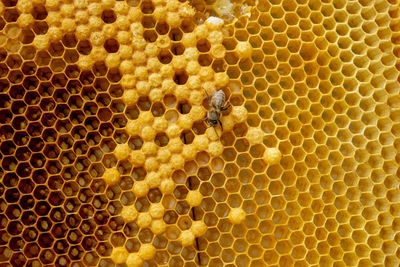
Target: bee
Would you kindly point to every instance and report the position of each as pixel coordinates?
(217, 105)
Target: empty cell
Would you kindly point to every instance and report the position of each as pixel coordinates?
(12, 30)
(40, 27)
(180, 77)
(161, 27)
(84, 47)
(245, 65)
(42, 58)
(71, 56)
(69, 40)
(233, 72)
(99, 69)
(3, 54)
(231, 58)
(56, 49)
(108, 16)
(111, 45)
(26, 37)
(164, 56)
(177, 49)
(204, 60)
(3, 70)
(219, 66)
(175, 34)
(247, 78)
(161, 139)
(203, 45)
(150, 36)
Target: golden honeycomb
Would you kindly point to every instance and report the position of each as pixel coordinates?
(106, 160)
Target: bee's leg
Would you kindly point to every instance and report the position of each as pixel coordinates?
(220, 123)
(216, 132)
(226, 106)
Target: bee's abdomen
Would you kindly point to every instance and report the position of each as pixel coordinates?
(218, 100)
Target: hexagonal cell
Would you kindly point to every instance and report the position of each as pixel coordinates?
(39, 176)
(101, 84)
(69, 40)
(43, 208)
(104, 114)
(3, 70)
(86, 78)
(30, 83)
(101, 217)
(47, 256)
(3, 54)
(99, 69)
(57, 65)
(161, 139)
(165, 56)
(59, 230)
(26, 37)
(62, 111)
(14, 61)
(111, 45)
(135, 142)
(59, 80)
(219, 65)
(204, 60)
(148, 22)
(39, 12)
(15, 76)
(40, 27)
(9, 163)
(161, 27)
(60, 95)
(5, 85)
(157, 109)
(84, 47)
(93, 139)
(114, 75)
(72, 71)
(63, 126)
(150, 36)
(144, 104)
(74, 87)
(62, 261)
(56, 49)
(32, 250)
(37, 160)
(203, 45)
(42, 58)
(45, 240)
(80, 147)
(13, 45)
(8, 148)
(53, 167)
(108, 16)
(44, 224)
(92, 123)
(61, 246)
(180, 77)
(48, 119)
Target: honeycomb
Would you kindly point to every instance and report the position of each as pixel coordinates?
(106, 159)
